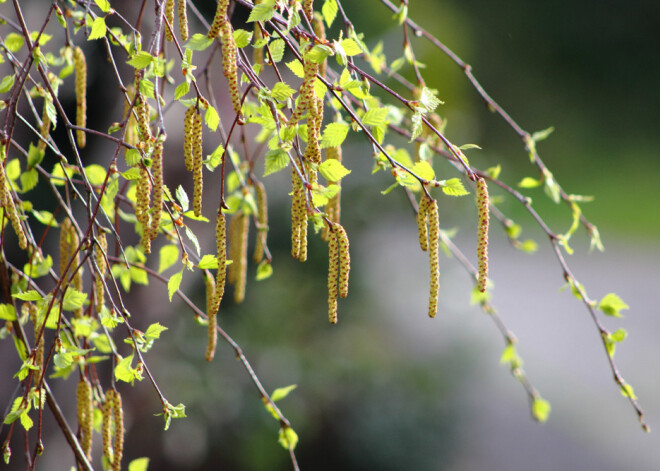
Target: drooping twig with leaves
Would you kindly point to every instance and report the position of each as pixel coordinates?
(302, 91)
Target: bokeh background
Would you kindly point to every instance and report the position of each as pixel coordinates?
(387, 388)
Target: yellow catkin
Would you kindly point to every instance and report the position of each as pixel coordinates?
(102, 269)
(85, 415)
(182, 10)
(118, 416)
(344, 260)
(307, 93)
(229, 67)
(238, 235)
(257, 52)
(308, 9)
(69, 256)
(212, 317)
(197, 165)
(298, 219)
(333, 206)
(158, 189)
(333, 272)
(142, 111)
(169, 16)
(143, 203)
(221, 247)
(80, 68)
(262, 220)
(106, 425)
(482, 236)
(434, 256)
(44, 130)
(422, 219)
(7, 201)
(188, 137)
(219, 19)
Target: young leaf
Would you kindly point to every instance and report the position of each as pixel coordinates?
(98, 29)
(242, 37)
(329, 11)
(281, 393)
(612, 304)
(264, 271)
(141, 60)
(104, 5)
(334, 135)
(199, 42)
(276, 160)
(139, 464)
(168, 256)
(281, 91)
(288, 438)
(208, 261)
(541, 409)
(333, 171)
(211, 118)
(262, 11)
(454, 187)
(173, 283)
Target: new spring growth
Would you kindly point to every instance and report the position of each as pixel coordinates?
(102, 269)
(158, 188)
(183, 19)
(229, 67)
(434, 255)
(143, 203)
(80, 68)
(238, 235)
(339, 267)
(197, 165)
(85, 415)
(262, 220)
(219, 19)
(482, 235)
(298, 218)
(7, 201)
(113, 417)
(212, 317)
(169, 16)
(188, 136)
(221, 246)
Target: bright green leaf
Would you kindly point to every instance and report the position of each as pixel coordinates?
(98, 29)
(242, 37)
(541, 409)
(281, 91)
(332, 170)
(141, 60)
(612, 304)
(329, 11)
(211, 118)
(288, 438)
(334, 135)
(262, 12)
(6, 83)
(198, 42)
(454, 187)
(14, 42)
(139, 464)
(173, 283)
(351, 48)
(277, 48)
(208, 261)
(168, 256)
(264, 271)
(529, 182)
(375, 117)
(104, 5)
(281, 393)
(275, 161)
(7, 312)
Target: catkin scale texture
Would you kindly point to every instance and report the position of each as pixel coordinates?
(158, 189)
(221, 247)
(434, 256)
(169, 16)
(85, 415)
(182, 10)
(212, 317)
(80, 69)
(482, 233)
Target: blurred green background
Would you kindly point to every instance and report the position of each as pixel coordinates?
(387, 389)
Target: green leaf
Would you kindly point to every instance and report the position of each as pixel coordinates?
(318, 53)
(329, 11)
(264, 271)
(628, 391)
(73, 299)
(428, 100)
(281, 91)
(334, 135)
(262, 12)
(424, 170)
(541, 409)
(168, 255)
(29, 180)
(211, 118)
(619, 335)
(14, 42)
(288, 438)
(96, 174)
(332, 170)
(132, 157)
(6, 83)
(541, 135)
(454, 187)
(277, 48)
(198, 42)
(124, 371)
(529, 182)
(296, 67)
(375, 117)
(529, 246)
(193, 238)
(30, 295)
(181, 90)
(208, 261)
(182, 196)
(242, 37)
(154, 331)
(141, 60)
(612, 304)
(281, 393)
(104, 5)
(98, 29)
(173, 283)
(7, 312)
(351, 48)
(139, 464)
(35, 156)
(275, 161)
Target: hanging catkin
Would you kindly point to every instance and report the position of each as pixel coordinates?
(80, 69)
(482, 236)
